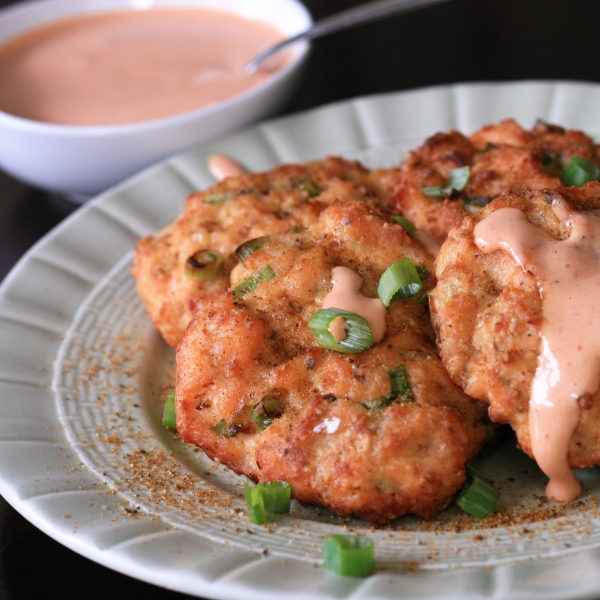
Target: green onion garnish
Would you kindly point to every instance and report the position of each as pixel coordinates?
(401, 389)
(458, 180)
(204, 264)
(434, 191)
(359, 336)
(580, 170)
(423, 272)
(478, 496)
(400, 280)
(217, 198)
(267, 497)
(378, 403)
(255, 503)
(222, 429)
(350, 556)
(169, 419)
(268, 409)
(408, 226)
(250, 247)
(310, 187)
(265, 273)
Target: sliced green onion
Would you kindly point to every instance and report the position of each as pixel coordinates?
(276, 496)
(457, 181)
(268, 409)
(218, 198)
(267, 497)
(310, 187)
(399, 280)
(265, 273)
(401, 389)
(169, 419)
(250, 247)
(204, 264)
(378, 403)
(423, 298)
(478, 496)
(408, 226)
(580, 170)
(434, 191)
(222, 429)
(255, 503)
(423, 272)
(359, 336)
(350, 556)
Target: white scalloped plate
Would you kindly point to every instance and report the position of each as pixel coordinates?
(82, 454)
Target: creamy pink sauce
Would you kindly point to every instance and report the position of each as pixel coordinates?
(345, 295)
(568, 276)
(129, 66)
(222, 167)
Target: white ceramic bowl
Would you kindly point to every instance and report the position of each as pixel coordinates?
(83, 161)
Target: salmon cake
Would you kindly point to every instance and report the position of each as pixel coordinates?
(182, 266)
(451, 173)
(375, 430)
(503, 330)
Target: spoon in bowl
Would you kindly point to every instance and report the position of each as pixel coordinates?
(364, 13)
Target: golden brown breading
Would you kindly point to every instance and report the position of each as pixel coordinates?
(487, 312)
(377, 463)
(503, 158)
(232, 212)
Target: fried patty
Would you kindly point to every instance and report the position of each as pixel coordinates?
(221, 218)
(487, 312)
(339, 434)
(502, 158)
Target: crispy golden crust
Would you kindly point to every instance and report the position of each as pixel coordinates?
(503, 158)
(232, 212)
(373, 463)
(487, 312)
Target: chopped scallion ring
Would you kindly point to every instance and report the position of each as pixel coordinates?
(169, 419)
(401, 389)
(408, 226)
(250, 247)
(434, 191)
(204, 264)
(217, 198)
(457, 181)
(350, 556)
(255, 503)
(400, 280)
(265, 411)
(580, 170)
(267, 497)
(310, 187)
(478, 496)
(222, 429)
(359, 336)
(265, 273)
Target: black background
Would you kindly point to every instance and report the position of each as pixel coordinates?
(459, 41)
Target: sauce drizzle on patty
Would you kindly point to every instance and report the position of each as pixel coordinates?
(568, 371)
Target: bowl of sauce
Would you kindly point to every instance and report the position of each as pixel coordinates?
(90, 93)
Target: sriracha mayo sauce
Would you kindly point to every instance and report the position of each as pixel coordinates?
(568, 371)
(123, 67)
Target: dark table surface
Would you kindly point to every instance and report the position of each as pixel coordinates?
(459, 41)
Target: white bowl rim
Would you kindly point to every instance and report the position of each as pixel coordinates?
(42, 127)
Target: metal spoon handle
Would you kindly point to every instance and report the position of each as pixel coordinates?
(364, 13)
